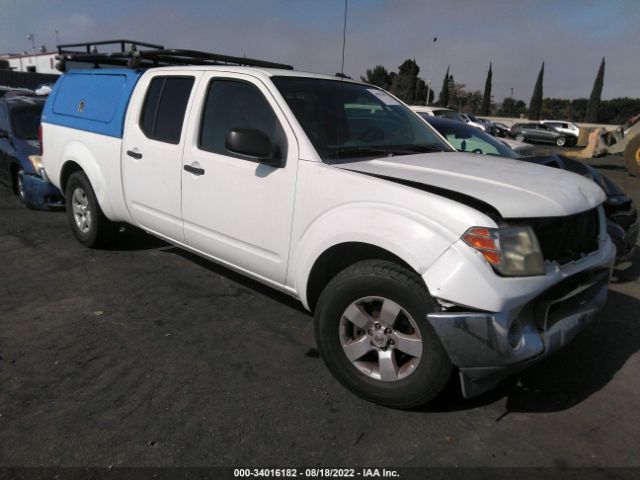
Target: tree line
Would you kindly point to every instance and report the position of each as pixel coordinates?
(407, 85)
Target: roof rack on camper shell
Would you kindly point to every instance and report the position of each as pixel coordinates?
(134, 54)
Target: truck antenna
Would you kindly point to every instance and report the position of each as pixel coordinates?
(344, 37)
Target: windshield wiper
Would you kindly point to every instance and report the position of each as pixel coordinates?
(360, 150)
(387, 150)
(420, 148)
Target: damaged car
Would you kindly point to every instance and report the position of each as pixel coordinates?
(622, 216)
(20, 164)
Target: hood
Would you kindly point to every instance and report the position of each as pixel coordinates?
(611, 189)
(514, 189)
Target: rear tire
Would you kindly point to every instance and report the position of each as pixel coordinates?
(86, 220)
(560, 141)
(632, 156)
(372, 332)
(520, 137)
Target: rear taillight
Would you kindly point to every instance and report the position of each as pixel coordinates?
(40, 138)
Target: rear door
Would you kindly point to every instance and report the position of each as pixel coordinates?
(236, 209)
(546, 133)
(152, 151)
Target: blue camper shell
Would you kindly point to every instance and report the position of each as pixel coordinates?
(92, 100)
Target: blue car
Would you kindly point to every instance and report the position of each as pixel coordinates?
(20, 166)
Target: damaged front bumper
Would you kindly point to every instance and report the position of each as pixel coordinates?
(496, 326)
(39, 193)
(487, 347)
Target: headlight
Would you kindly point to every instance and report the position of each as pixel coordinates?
(511, 251)
(36, 161)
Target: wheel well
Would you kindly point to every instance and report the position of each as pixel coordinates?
(14, 177)
(69, 168)
(339, 257)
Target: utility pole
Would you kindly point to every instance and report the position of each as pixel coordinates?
(33, 45)
(57, 39)
(511, 93)
(435, 39)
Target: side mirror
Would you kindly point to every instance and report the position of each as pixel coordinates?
(254, 144)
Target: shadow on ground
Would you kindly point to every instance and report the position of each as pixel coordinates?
(131, 239)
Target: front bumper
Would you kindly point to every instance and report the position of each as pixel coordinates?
(40, 194)
(494, 326)
(487, 347)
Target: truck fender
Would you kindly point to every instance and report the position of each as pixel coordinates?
(415, 239)
(78, 153)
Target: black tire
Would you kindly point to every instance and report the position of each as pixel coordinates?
(561, 141)
(377, 278)
(18, 187)
(632, 156)
(519, 137)
(100, 231)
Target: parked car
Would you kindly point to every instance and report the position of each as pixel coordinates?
(541, 133)
(20, 168)
(414, 258)
(567, 128)
(431, 111)
(473, 121)
(444, 113)
(13, 91)
(521, 148)
(486, 123)
(622, 216)
(499, 129)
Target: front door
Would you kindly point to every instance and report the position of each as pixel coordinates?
(236, 209)
(152, 152)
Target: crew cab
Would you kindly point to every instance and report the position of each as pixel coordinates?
(415, 259)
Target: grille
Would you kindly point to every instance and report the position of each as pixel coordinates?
(564, 239)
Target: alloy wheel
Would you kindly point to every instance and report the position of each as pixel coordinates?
(81, 210)
(380, 339)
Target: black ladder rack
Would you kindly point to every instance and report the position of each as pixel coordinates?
(134, 54)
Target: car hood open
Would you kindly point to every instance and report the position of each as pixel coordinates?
(514, 189)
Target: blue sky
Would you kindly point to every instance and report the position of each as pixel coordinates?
(571, 37)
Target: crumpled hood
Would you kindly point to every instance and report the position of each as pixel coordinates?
(515, 189)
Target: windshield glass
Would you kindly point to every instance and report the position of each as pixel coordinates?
(25, 122)
(350, 120)
(470, 139)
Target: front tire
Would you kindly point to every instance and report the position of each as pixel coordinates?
(372, 332)
(86, 220)
(560, 141)
(19, 186)
(520, 137)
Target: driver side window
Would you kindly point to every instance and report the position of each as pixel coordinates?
(232, 105)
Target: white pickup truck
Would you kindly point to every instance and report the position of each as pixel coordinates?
(415, 259)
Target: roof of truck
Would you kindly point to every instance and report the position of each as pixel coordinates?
(269, 72)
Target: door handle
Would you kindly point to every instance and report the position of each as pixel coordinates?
(136, 155)
(194, 170)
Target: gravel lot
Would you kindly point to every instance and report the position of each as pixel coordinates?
(145, 355)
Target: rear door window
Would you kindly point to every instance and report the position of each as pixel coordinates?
(164, 107)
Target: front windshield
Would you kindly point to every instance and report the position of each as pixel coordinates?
(470, 139)
(25, 121)
(351, 120)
